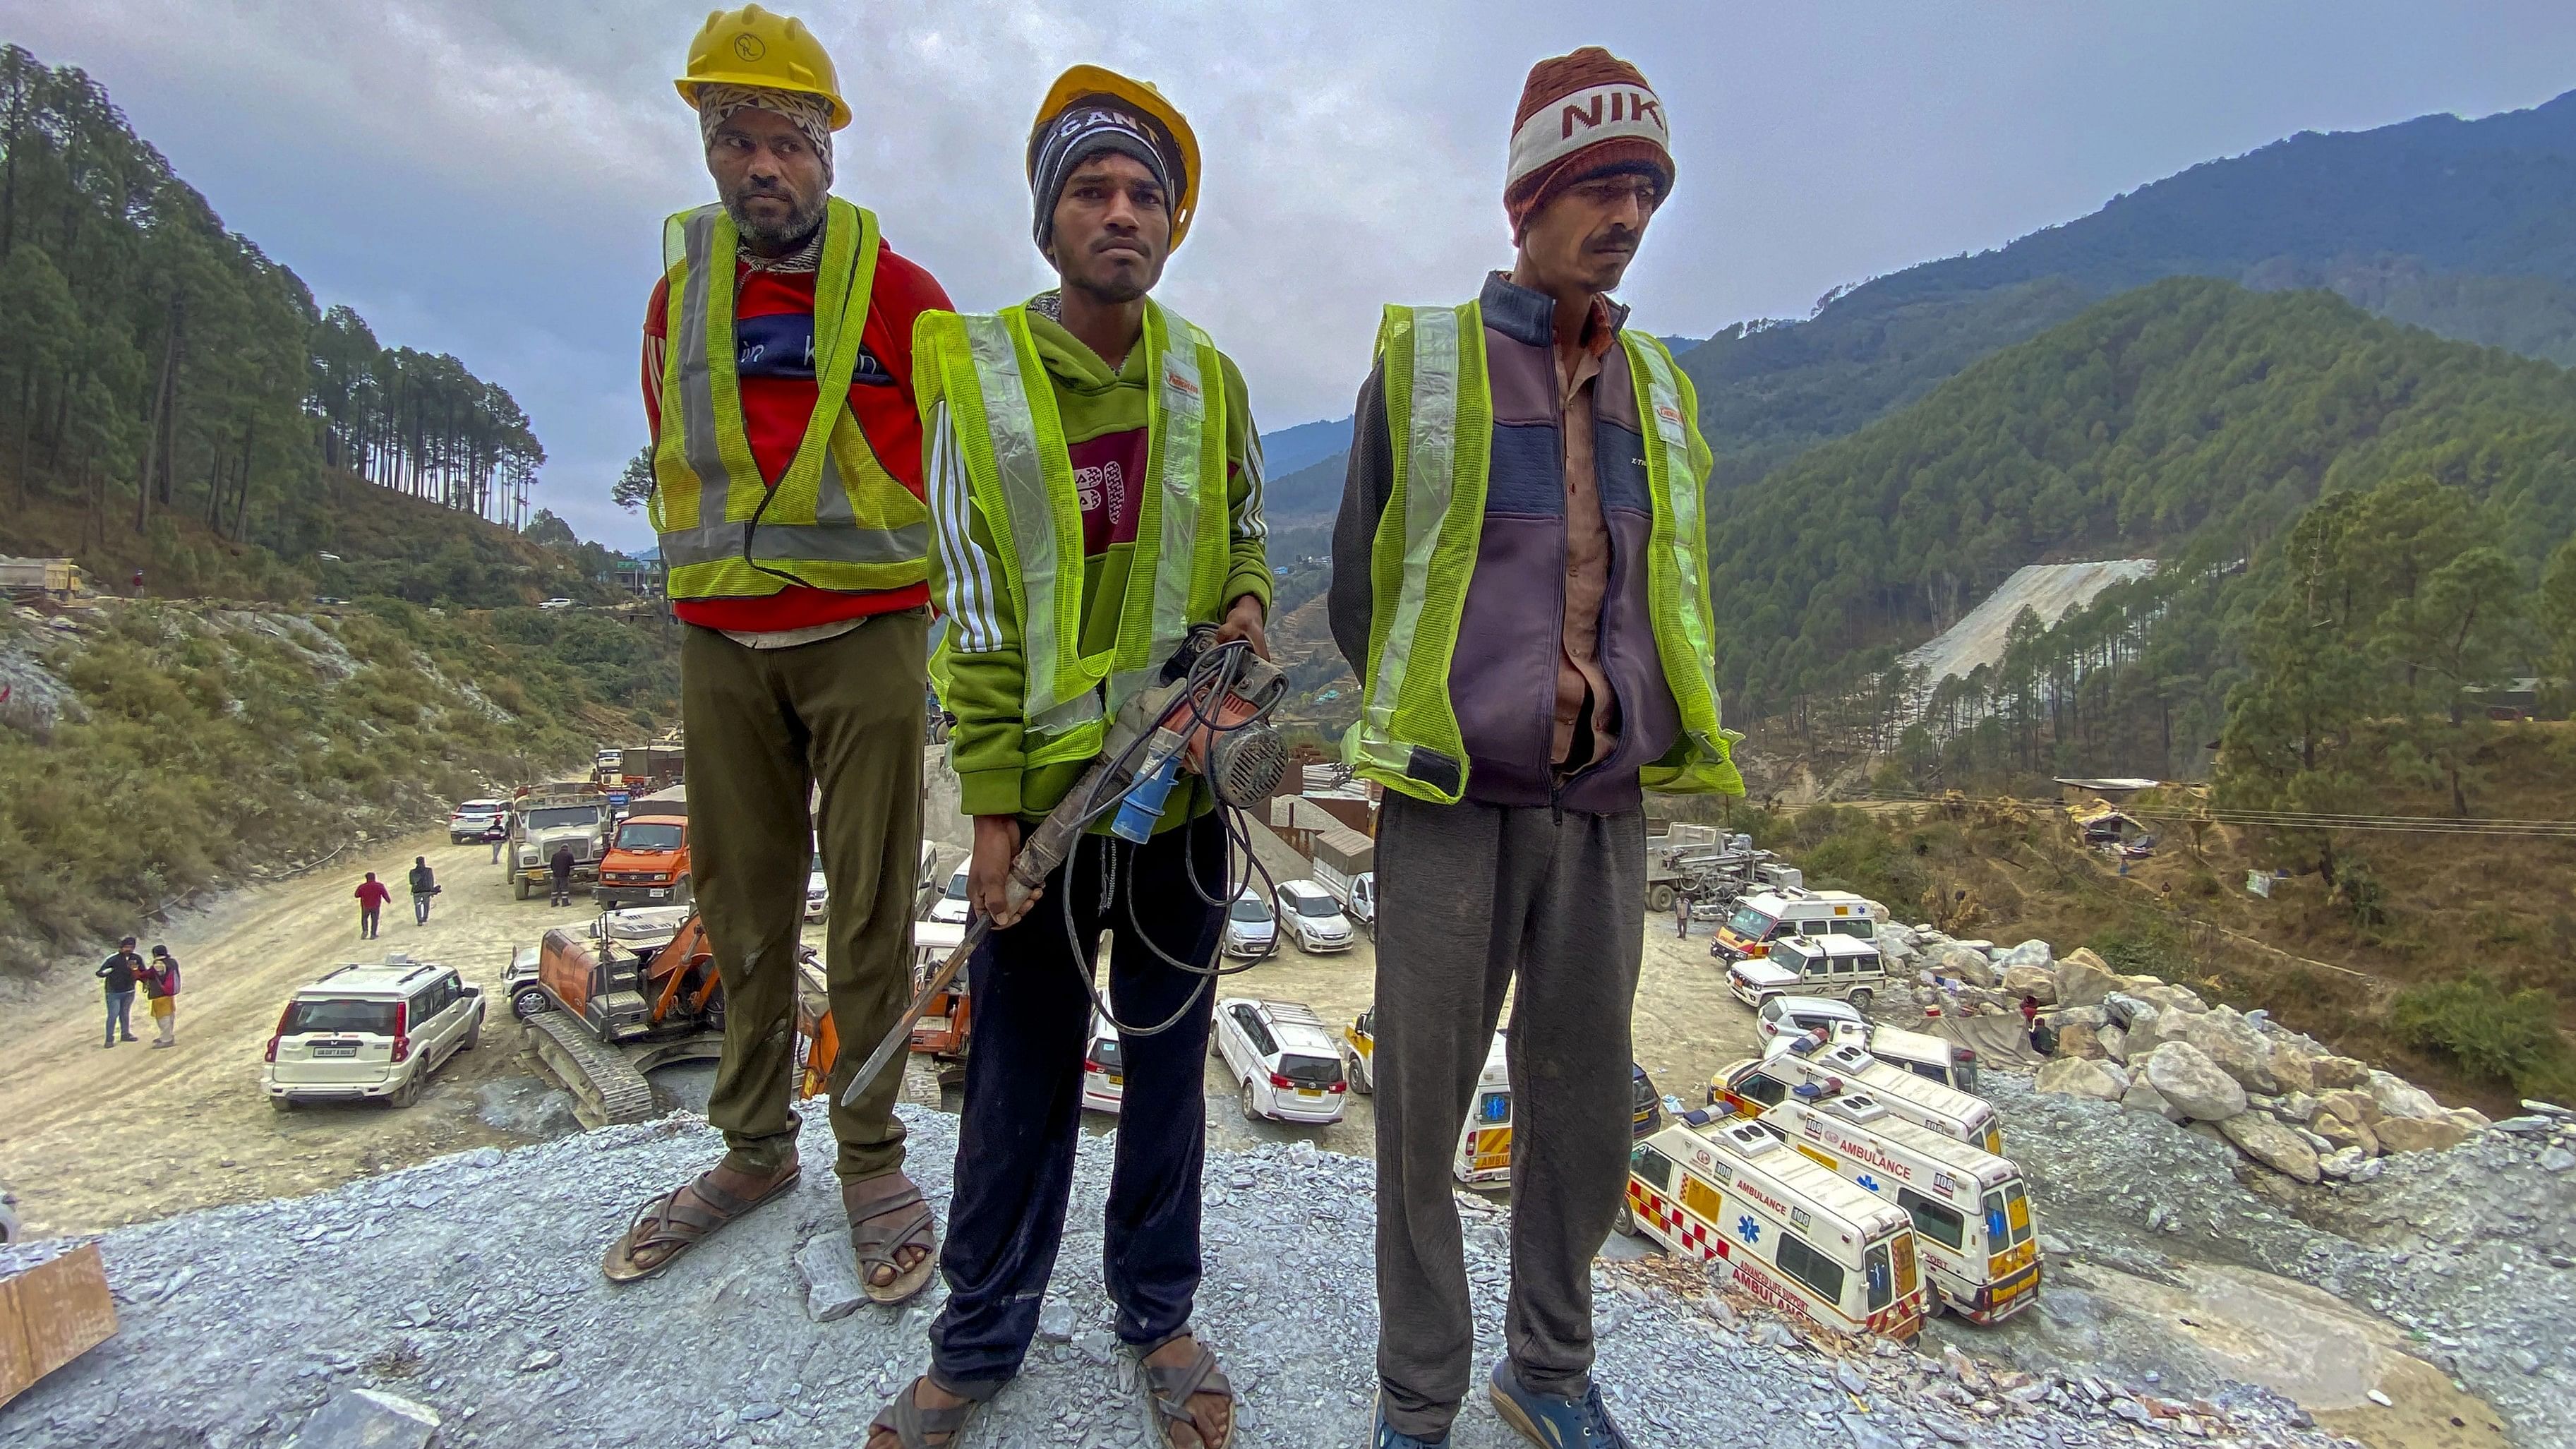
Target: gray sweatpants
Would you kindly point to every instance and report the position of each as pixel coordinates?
(1474, 899)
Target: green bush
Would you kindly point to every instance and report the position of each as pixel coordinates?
(2511, 1039)
(2145, 943)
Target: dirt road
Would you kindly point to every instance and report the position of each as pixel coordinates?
(93, 1137)
(99, 1137)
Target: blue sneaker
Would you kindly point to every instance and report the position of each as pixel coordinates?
(1554, 1422)
(1387, 1436)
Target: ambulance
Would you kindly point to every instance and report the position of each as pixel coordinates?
(1792, 1234)
(1748, 1088)
(1485, 1143)
(1767, 916)
(1972, 1220)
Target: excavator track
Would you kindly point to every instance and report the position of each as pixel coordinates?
(606, 1087)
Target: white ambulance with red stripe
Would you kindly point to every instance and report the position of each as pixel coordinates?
(1747, 1088)
(1972, 1219)
(1793, 1235)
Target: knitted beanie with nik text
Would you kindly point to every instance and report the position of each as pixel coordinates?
(1579, 114)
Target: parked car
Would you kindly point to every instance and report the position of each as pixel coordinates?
(1289, 1065)
(556, 604)
(1781, 1016)
(1647, 1117)
(370, 1032)
(1312, 918)
(951, 909)
(474, 819)
(1250, 929)
(818, 892)
(1104, 1070)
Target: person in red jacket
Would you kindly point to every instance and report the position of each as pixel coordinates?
(796, 545)
(372, 895)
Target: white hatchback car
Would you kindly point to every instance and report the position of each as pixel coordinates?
(1312, 918)
(371, 1033)
(1104, 1070)
(1288, 1064)
(1250, 929)
(951, 909)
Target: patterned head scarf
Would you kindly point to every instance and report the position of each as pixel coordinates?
(810, 114)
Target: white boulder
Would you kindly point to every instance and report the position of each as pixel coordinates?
(2185, 1076)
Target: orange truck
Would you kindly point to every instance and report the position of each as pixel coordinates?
(647, 864)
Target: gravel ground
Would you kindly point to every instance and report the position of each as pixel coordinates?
(470, 1284)
(2471, 1251)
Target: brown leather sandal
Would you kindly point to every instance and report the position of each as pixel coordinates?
(876, 1246)
(912, 1425)
(672, 1224)
(1168, 1392)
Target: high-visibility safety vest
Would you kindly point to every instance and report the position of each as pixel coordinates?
(1010, 436)
(1439, 410)
(837, 519)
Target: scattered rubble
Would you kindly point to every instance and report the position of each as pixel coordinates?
(488, 1312)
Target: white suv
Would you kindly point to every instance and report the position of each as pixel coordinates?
(1312, 918)
(1289, 1065)
(1793, 1016)
(474, 819)
(370, 1032)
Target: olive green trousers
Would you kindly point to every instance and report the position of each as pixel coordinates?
(767, 728)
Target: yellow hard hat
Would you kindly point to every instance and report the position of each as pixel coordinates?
(1145, 100)
(751, 47)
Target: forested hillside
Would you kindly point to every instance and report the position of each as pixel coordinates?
(2190, 420)
(2467, 228)
(154, 364)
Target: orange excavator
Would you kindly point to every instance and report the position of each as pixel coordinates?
(639, 990)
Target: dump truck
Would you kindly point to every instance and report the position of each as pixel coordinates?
(651, 767)
(570, 813)
(32, 578)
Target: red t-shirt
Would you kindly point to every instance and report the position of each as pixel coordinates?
(774, 341)
(372, 894)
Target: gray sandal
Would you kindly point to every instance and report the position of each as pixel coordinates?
(911, 1424)
(1168, 1392)
(875, 1245)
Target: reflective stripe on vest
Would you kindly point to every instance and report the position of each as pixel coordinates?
(836, 519)
(1440, 424)
(1677, 580)
(1011, 438)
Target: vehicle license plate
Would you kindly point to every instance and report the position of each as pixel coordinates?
(336, 1049)
(1310, 1091)
(1117, 1079)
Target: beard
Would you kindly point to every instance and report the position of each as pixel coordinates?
(802, 218)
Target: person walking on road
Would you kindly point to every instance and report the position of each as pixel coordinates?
(559, 867)
(498, 836)
(372, 895)
(778, 377)
(161, 992)
(1522, 519)
(1057, 420)
(424, 884)
(1681, 912)
(120, 971)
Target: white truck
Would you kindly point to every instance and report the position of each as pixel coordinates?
(553, 815)
(1346, 867)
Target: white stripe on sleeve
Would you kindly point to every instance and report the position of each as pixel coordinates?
(967, 595)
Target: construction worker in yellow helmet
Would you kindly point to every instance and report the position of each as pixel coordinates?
(787, 492)
(1064, 585)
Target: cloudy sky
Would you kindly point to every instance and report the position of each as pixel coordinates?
(486, 177)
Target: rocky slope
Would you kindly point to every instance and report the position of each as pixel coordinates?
(469, 1287)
